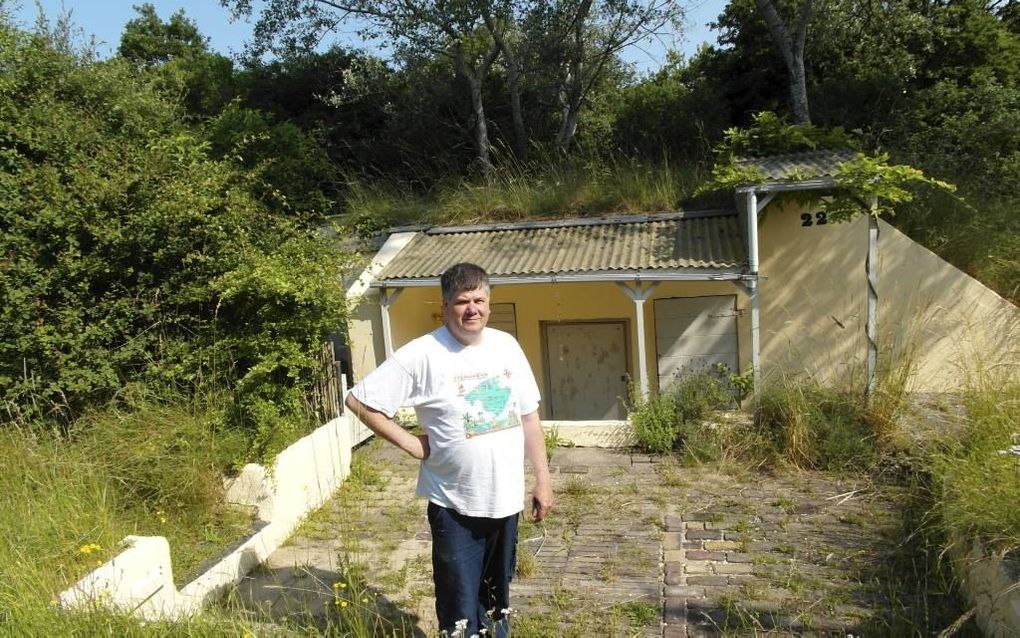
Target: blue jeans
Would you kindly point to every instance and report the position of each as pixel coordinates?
(472, 564)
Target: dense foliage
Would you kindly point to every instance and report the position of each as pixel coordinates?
(129, 253)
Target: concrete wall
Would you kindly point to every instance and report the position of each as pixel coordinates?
(992, 585)
(945, 323)
(139, 580)
(932, 315)
(419, 310)
(813, 298)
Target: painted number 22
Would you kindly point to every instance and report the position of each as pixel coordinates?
(819, 219)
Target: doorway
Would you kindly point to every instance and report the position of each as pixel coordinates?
(586, 369)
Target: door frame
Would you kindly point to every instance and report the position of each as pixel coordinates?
(546, 368)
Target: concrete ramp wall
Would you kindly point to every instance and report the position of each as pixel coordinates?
(944, 323)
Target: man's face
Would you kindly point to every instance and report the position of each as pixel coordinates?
(466, 314)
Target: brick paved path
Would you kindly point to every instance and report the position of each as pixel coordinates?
(637, 546)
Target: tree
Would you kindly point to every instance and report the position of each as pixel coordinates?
(449, 28)
(580, 41)
(179, 55)
(791, 48)
(129, 255)
(149, 41)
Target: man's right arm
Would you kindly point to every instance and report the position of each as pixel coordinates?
(415, 445)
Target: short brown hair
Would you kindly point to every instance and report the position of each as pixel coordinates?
(461, 277)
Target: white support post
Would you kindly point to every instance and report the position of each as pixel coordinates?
(751, 209)
(387, 296)
(871, 266)
(640, 294)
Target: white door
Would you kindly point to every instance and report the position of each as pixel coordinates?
(692, 333)
(586, 365)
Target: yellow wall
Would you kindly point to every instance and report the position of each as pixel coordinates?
(813, 297)
(930, 314)
(418, 310)
(364, 331)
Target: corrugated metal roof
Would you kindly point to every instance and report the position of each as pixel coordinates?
(659, 242)
(800, 166)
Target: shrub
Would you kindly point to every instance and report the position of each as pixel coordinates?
(698, 396)
(655, 420)
(129, 255)
(817, 428)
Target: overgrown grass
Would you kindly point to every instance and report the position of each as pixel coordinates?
(552, 188)
(678, 417)
(812, 427)
(152, 468)
(977, 486)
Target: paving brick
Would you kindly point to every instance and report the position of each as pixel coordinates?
(673, 555)
(674, 574)
(674, 524)
(674, 610)
(739, 557)
(701, 554)
(699, 567)
(701, 516)
(672, 540)
(675, 631)
(691, 545)
(721, 546)
(718, 525)
(703, 534)
(684, 591)
(707, 580)
(734, 568)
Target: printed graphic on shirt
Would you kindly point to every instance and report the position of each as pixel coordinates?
(488, 406)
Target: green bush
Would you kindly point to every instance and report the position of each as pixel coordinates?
(130, 255)
(818, 428)
(676, 416)
(655, 420)
(698, 396)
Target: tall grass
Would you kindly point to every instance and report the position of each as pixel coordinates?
(552, 187)
(976, 485)
(150, 468)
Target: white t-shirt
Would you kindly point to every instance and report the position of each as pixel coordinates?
(469, 400)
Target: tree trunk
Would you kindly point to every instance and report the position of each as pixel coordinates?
(792, 51)
(514, 85)
(474, 79)
(573, 82)
(513, 81)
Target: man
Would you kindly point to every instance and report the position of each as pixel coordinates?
(477, 401)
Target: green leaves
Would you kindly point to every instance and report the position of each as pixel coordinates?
(770, 134)
(867, 179)
(865, 184)
(128, 254)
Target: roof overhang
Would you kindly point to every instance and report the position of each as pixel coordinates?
(687, 274)
(825, 183)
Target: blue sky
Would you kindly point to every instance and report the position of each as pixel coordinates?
(106, 19)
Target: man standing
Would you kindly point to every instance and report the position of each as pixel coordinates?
(477, 401)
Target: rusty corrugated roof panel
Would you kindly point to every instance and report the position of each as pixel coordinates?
(659, 242)
(800, 166)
